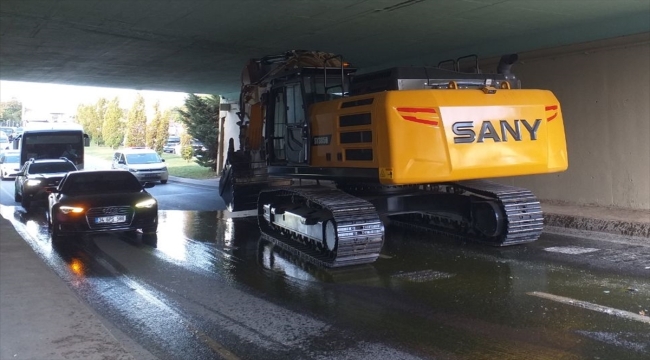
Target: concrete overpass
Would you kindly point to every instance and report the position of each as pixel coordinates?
(594, 55)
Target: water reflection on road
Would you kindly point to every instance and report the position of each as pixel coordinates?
(426, 296)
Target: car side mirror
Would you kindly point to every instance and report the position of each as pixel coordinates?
(148, 185)
(163, 160)
(121, 162)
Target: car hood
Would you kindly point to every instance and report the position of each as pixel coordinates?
(152, 166)
(110, 199)
(50, 179)
(48, 175)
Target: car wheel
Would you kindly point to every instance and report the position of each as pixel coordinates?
(17, 197)
(150, 239)
(25, 203)
(163, 181)
(55, 233)
(150, 229)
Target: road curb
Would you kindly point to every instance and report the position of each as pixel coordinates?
(214, 182)
(627, 228)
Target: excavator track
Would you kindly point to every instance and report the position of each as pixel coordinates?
(520, 215)
(359, 231)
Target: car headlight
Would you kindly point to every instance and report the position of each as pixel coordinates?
(32, 182)
(133, 170)
(71, 209)
(146, 204)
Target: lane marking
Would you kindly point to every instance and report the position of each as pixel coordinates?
(590, 306)
(570, 250)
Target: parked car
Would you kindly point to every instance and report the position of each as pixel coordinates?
(100, 201)
(169, 147)
(5, 143)
(7, 130)
(172, 141)
(196, 146)
(9, 164)
(144, 163)
(36, 176)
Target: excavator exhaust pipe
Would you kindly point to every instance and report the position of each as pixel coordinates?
(506, 63)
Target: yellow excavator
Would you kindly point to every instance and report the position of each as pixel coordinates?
(407, 145)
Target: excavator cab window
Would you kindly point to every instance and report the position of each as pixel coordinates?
(289, 143)
(319, 90)
(279, 125)
(295, 109)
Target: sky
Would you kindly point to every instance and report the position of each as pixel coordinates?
(56, 98)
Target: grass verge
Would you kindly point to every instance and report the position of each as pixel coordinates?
(175, 164)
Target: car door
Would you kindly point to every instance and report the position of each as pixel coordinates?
(119, 161)
(20, 180)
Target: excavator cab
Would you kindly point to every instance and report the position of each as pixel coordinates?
(277, 92)
(287, 126)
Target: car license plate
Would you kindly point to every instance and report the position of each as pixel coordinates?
(150, 175)
(110, 219)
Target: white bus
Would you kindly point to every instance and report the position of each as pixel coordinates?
(52, 141)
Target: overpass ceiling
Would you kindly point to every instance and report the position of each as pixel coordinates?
(201, 46)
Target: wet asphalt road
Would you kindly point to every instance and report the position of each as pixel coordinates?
(211, 287)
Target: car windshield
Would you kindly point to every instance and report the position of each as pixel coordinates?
(87, 182)
(48, 168)
(144, 158)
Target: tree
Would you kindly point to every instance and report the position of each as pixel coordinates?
(11, 113)
(201, 119)
(91, 117)
(158, 130)
(97, 122)
(152, 127)
(186, 147)
(85, 117)
(163, 131)
(113, 127)
(136, 125)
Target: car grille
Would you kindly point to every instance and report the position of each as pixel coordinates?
(52, 181)
(93, 213)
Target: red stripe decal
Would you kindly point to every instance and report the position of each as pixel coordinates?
(421, 121)
(415, 110)
(551, 108)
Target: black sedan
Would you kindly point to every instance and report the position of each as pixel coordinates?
(36, 176)
(101, 201)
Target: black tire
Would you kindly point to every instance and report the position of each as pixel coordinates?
(163, 181)
(149, 236)
(150, 239)
(25, 204)
(17, 197)
(55, 234)
(150, 229)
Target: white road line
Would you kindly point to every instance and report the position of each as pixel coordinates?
(594, 307)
